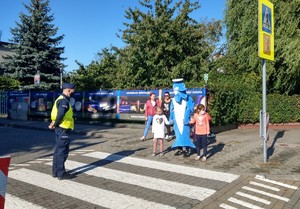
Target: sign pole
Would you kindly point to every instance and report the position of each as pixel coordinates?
(264, 109)
(265, 51)
(205, 89)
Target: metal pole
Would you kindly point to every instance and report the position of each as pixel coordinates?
(264, 110)
(61, 75)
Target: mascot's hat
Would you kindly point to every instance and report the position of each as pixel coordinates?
(178, 84)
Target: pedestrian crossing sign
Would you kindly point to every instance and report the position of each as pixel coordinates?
(265, 30)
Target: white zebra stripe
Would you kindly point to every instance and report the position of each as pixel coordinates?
(21, 165)
(276, 182)
(264, 186)
(196, 172)
(79, 151)
(44, 159)
(85, 150)
(35, 162)
(13, 202)
(97, 196)
(251, 197)
(266, 193)
(223, 205)
(243, 203)
(193, 192)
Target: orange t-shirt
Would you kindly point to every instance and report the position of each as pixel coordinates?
(202, 123)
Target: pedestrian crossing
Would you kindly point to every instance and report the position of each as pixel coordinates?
(197, 172)
(261, 194)
(87, 193)
(190, 191)
(18, 203)
(109, 180)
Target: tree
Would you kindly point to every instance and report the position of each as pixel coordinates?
(7, 83)
(99, 74)
(285, 77)
(241, 19)
(36, 50)
(162, 42)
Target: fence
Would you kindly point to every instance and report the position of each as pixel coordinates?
(105, 104)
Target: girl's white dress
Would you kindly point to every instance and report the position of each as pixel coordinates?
(158, 126)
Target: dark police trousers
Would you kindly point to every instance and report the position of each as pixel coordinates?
(61, 151)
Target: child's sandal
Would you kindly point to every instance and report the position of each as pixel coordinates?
(197, 158)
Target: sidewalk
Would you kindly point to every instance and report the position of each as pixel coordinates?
(236, 151)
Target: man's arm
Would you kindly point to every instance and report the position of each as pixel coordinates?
(62, 108)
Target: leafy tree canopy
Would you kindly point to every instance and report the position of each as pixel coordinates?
(241, 21)
(162, 42)
(7, 83)
(36, 49)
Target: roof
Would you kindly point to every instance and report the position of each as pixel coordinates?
(4, 50)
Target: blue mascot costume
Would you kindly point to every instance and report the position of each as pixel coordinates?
(181, 107)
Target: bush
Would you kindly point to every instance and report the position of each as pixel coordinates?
(7, 83)
(224, 99)
(249, 108)
(242, 106)
(283, 109)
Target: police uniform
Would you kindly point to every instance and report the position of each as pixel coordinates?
(62, 117)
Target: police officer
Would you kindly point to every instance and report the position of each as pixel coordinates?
(62, 123)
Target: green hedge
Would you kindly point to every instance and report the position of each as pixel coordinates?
(242, 106)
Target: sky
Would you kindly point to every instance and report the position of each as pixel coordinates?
(90, 25)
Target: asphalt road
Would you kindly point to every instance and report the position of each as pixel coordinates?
(115, 170)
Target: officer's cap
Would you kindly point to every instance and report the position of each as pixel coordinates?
(68, 86)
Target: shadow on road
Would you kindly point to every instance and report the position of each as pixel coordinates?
(109, 159)
(271, 149)
(215, 149)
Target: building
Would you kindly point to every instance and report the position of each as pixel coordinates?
(4, 51)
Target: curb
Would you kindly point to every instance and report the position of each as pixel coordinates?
(79, 132)
(272, 126)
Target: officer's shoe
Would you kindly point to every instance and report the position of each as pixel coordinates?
(66, 176)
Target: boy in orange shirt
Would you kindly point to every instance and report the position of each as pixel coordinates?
(202, 129)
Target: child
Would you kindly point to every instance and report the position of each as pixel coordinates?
(202, 129)
(158, 129)
(166, 103)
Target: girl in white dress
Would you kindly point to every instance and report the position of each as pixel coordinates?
(158, 129)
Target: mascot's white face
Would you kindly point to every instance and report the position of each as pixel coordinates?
(176, 90)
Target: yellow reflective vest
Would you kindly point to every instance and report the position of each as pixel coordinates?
(68, 120)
